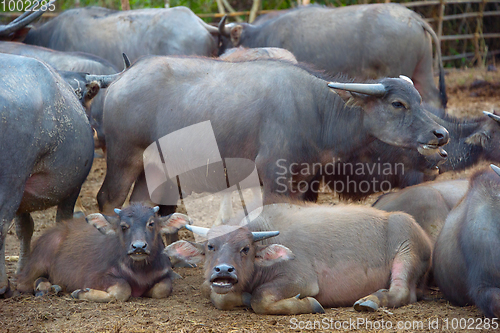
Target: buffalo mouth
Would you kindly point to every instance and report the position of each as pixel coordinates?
(431, 149)
(223, 284)
(138, 255)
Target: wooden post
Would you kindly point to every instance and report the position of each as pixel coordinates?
(442, 5)
(125, 4)
(220, 7)
(478, 40)
(254, 10)
(77, 3)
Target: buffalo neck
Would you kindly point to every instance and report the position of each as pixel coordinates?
(342, 130)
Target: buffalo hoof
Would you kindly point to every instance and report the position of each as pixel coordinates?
(55, 289)
(78, 215)
(365, 305)
(316, 306)
(6, 292)
(76, 294)
(40, 293)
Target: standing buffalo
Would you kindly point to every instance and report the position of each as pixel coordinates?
(279, 116)
(365, 41)
(122, 258)
(467, 253)
(47, 147)
(323, 257)
(102, 31)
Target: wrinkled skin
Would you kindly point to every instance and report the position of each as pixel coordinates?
(323, 257)
(466, 258)
(104, 258)
(319, 124)
(365, 41)
(107, 33)
(47, 146)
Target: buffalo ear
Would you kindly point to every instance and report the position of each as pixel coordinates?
(267, 255)
(478, 139)
(92, 90)
(236, 34)
(101, 223)
(170, 224)
(188, 252)
(20, 34)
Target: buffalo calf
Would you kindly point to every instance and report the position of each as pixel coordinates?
(108, 258)
(322, 257)
(467, 251)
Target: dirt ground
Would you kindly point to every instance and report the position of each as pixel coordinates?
(470, 92)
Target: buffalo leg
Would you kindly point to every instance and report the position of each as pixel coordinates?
(24, 230)
(65, 208)
(269, 303)
(120, 291)
(4, 281)
(162, 289)
(402, 290)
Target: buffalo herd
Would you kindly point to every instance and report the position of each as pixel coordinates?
(303, 95)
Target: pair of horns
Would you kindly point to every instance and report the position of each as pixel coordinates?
(257, 235)
(155, 209)
(374, 89)
(105, 80)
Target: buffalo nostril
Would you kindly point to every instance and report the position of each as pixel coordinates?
(224, 268)
(139, 245)
(230, 270)
(217, 269)
(442, 135)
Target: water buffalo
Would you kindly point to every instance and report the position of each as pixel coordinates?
(245, 54)
(47, 147)
(121, 257)
(279, 116)
(323, 257)
(102, 31)
(429, 203)
(365, 41)
(466, 258)
(379, 167)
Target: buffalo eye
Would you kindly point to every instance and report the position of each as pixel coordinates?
(151, 224)
(398, 105)
(210, 247)
(124, 226)
(245, 250)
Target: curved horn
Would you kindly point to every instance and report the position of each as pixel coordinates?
(126, 61)
(495, 168)
(223, 31)
(23, 20)
(406, 78)
(156, 209)
(492, 116)
(197, 230)
(261, 235)
(117, 211)
(105, 80)
(374, 89)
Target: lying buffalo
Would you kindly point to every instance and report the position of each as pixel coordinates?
(429, 203)
(47, 147)
(466, 258)
(366, 41)
(102, 32)
(121, 257)
(323, 257)
(279, 116)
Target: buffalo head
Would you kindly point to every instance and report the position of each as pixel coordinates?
(139, 229)
(393, 112)
(231, 254)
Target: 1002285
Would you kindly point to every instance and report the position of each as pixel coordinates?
(27, 5)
